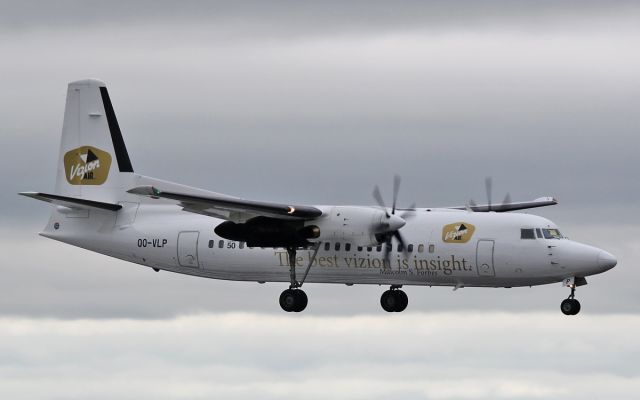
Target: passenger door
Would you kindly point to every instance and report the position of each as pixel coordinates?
(188, 249)
(484, 258)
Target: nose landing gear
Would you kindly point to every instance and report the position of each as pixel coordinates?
(570, 306)
(394, 299)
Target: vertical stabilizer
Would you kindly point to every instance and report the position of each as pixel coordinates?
(93, 161)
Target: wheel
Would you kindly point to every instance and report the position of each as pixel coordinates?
(570, 306)
(388, 301)
(301, 300)
(394, 301)
(401, 300)
(293, 300)
(288, 300)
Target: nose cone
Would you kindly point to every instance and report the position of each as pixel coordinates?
(606, 260)
(395, 222)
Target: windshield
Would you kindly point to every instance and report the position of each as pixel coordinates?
(552, 234)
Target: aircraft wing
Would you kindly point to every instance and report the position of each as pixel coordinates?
(230, 208)
(522, 205)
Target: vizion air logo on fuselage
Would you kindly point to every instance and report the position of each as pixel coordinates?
(87, 165)
(458, 232)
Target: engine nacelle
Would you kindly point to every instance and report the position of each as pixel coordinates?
(360, 226)
(356, 225)
(268, 232)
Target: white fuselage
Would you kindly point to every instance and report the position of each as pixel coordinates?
(163, 236)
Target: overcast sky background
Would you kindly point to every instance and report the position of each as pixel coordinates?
(316, 103)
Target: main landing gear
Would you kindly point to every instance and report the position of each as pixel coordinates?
(295, 299)
(570, 306)
(394, 299)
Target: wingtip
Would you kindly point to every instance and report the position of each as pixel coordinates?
(552, 200)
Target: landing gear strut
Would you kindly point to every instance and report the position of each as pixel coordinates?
(394, 299)
(295, 299)
(570, 306)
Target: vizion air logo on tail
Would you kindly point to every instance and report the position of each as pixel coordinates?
(87, 165)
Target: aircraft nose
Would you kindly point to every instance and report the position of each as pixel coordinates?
(606, 260)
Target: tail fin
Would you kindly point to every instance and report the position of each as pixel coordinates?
(93, 161)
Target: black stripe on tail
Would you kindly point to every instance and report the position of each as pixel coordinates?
(124, 163)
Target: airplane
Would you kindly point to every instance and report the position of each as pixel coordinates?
(102, 205)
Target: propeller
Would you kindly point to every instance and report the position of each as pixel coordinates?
(488, 185)
(394, 222)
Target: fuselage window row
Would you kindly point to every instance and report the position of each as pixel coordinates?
(337, 246)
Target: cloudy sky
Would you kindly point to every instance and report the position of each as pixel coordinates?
(316, 103)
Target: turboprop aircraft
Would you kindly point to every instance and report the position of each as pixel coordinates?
(102, 205)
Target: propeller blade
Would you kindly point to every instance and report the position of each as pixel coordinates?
(396, 190)
(386, 251)
(410, 212)
(472, 204)
(507, 199)
(488, 184)
(378, 197)
(402, 242)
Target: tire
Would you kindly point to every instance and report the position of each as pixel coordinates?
(569, 307)
(388, 301)
(401, 300)
(288, 300)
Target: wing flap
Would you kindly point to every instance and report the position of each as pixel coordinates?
(230, 205)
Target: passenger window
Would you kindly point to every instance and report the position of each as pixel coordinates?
(379, 248)
(221, 244)
(241, 245)
(420, 248)
(327, 246)
(539, 233)
(211, 244)
(432, 248)
(399, 247)
(359, 248)
(389, 248)
(369, 249)
(337, 246)
(527, 234)
(347, 247)
(410, 248)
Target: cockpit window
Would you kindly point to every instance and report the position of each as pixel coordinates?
(552, 234)
(527, 234)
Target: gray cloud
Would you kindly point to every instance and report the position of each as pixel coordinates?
(306, 18)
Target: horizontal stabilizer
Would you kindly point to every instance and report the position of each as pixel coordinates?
(522, 205)
(72, 202)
